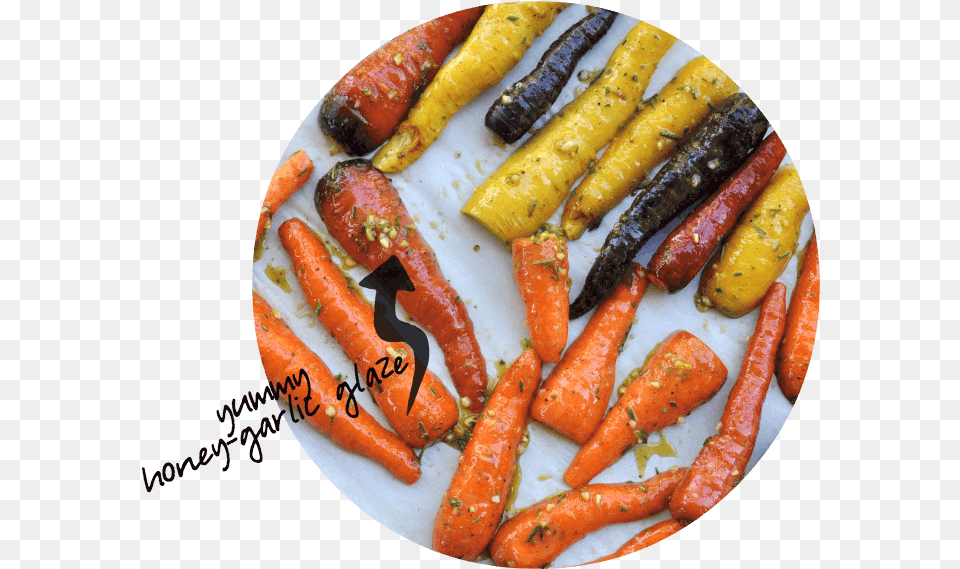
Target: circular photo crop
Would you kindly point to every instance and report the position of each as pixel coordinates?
(538, 284)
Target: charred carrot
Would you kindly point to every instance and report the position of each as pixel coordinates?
(284, 356)
(366, 105)
(723, 459)
(573, 398)
(796, 348)
(540, 267)
(537, 535)
(653, 534)
(285, 182)
(688, 247)
(364, 213)
(345, 313)
(473, 505)
(681, 374)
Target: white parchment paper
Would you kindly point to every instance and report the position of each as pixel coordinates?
(433, 189)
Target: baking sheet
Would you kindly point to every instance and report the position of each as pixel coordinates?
(433, 189)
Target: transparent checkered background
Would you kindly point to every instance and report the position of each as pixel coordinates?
(135, 147)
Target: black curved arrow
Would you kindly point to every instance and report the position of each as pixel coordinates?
(385, 281)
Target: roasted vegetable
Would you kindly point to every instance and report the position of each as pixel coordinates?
(704, 160)
(532, 183)
(521, 104)
(651, 136)
(366, 105)
(723, 460)
(758, 249)
(537, 535)
(796, 349)
(653, 534)
(293, 173)
(680, 375)
(473, 505)
(574, 397)
(286, 356)
(498, 41)
(688, 247)
(345, 313)
(363, 212)
(541, 267)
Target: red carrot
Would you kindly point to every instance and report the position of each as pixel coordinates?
(688, 247)
(653, 534)
(574, 397)
(722, 461)
(364, 214)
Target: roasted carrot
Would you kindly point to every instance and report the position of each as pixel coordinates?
(653, 534)
(345, 313)
(723, 459)
(366, 105)
(537, 535)
(688, 247)
(285, 182)
(573, 398)
(796, 348)
(681, 374)
(540, 267)
(364, 213)
(284, 356)
(473, 505)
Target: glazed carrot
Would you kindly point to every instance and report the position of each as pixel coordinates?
(680, 375)
(284, 356)
(537, 535)
(796, 348)
(653, 534)
(541, 267)
(345, 313)
(285, 182)
(364, 213)
(573, 398)
(366, 105)
(688, 247)
(473, 505)
(723, 459)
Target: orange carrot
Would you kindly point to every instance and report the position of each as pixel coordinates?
(285, 182)
(537, 535)
(284, 356)
(364, 213)
(345, 313)
(681, 374)
(541, 267)
(473, 505)
(796, 348)
(653, 534)
(723, 459)
(575, 395)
